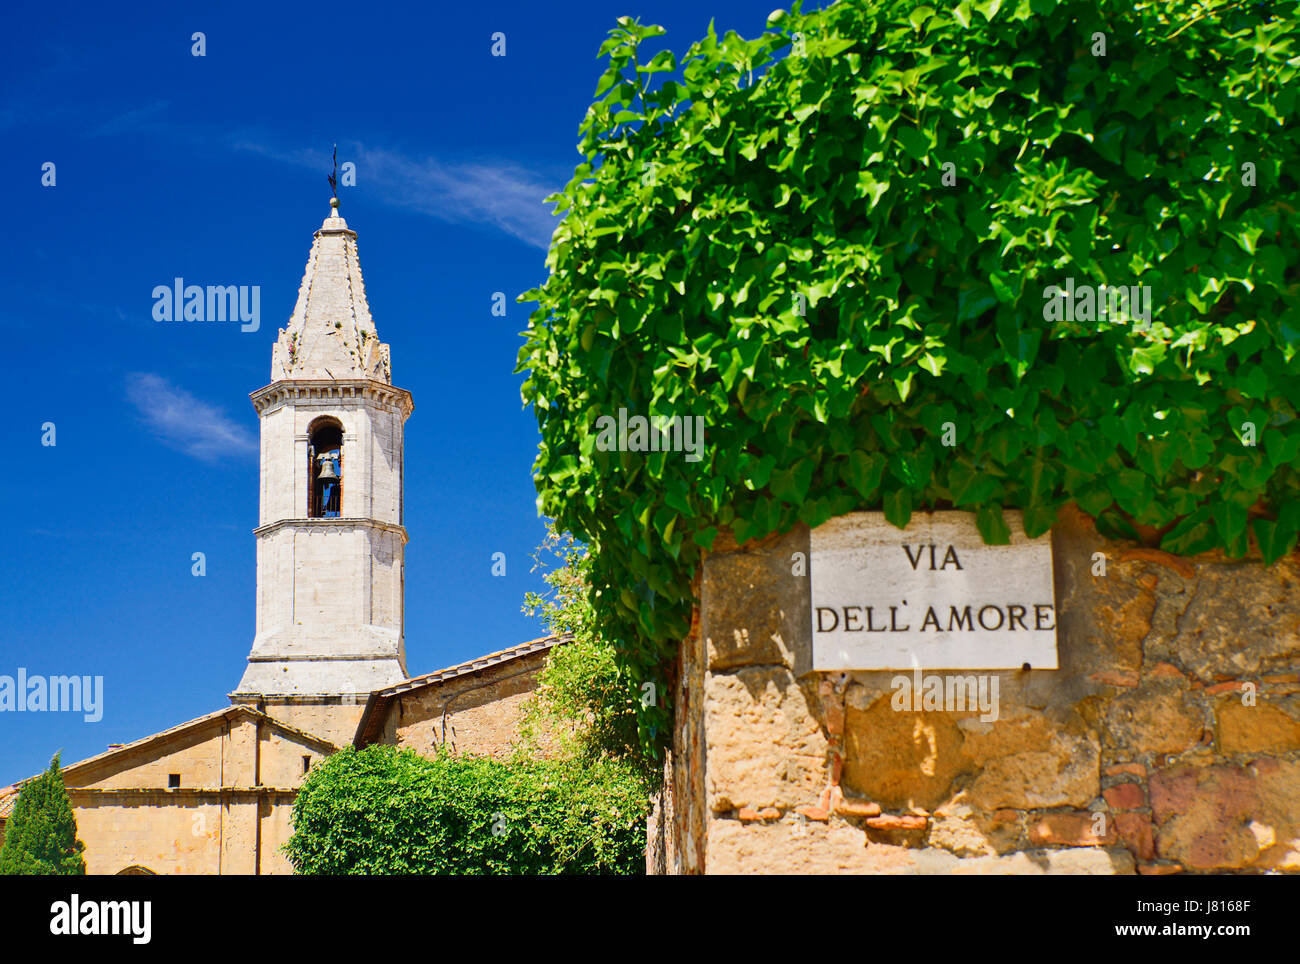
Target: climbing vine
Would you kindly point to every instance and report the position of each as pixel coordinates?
(843, 245)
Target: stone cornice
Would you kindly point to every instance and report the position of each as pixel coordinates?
(321, 657)
(325, 389)
(335, 523)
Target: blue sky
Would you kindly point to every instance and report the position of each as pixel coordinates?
(213, 169)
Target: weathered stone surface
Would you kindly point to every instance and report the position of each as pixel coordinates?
(1089, 605)
(1028, 761)
(1136, 833)
(784, 848)
(480, 712)
(900, 759)
(1159, 870)
(743, 626)
(1236, 601)
(1153, 655)
(1236, 686)
(1229, 816)
(787, 847)
(761, 706)
(1090, 861)
(1262, 728)
(1134, 769)
(891, 821)
(968, 832)
(1073, 830)
(1279, 814)
(1125, 796)
(1159, 717)
(850, 807)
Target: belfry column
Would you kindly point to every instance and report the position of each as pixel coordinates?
(331, 544)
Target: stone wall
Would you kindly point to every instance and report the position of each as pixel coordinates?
(1168, 740)
(484, 711)
(332, 718)
(239, 773)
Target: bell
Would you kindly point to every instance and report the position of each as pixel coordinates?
(327, 473)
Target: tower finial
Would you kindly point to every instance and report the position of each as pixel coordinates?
(334, 184)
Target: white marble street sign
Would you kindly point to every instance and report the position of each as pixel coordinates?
(932, 595)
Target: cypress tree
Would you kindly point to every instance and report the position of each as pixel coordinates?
(41, 836)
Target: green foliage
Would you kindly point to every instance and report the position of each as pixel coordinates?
(381, 810)
(583, 697)
(41, 833)
(708, 204)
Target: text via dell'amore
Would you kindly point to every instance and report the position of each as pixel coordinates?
(932, 596)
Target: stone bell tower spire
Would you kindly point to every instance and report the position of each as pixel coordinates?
(330, 544)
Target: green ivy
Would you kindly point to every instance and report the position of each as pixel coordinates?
(584, 701)
(381, 810)
(721, 193)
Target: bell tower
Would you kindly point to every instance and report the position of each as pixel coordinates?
(330, 543)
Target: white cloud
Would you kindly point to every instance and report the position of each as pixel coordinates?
(501, 194)
(186, 423)
(140, 119)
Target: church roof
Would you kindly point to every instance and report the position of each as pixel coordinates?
(8, 795)
(377, 706)
(331, 334)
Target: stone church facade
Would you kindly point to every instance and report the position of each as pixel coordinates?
(327, 667)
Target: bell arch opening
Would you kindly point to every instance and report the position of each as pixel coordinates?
(325, 468)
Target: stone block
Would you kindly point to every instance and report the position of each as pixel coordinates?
(755, 605)
(1262, 728)
(1229, 817)
(900, 759)
(765, 746)
(1159, 717)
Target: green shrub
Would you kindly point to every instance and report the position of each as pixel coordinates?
(584, 697)
(381, 810)
(41, 833)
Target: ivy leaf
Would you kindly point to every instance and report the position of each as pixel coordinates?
(969, 485)
(1039, 519)
(866, 469)
(992, 527)
(1194, 534)
(791, 485)
(897, 506)
(1230, 521)
(1006, 289)
(1276, 538)
(913, 141)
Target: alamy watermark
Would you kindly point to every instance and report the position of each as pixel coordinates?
(932, 693)
(1118, 303)
(130, 918)
(53, 694)
(654, 433)
(181, 302)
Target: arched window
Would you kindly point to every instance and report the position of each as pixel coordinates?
(136, 871)
(325, 469)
